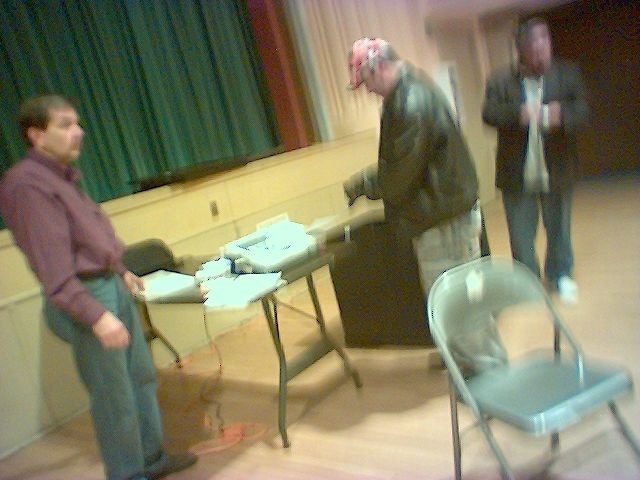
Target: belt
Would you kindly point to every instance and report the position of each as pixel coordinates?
(95, 275)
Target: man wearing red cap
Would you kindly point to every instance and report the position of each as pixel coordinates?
(424, 175)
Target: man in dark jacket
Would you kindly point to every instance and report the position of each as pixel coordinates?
(538, 108)
(424, 175)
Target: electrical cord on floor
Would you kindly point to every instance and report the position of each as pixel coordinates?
(222, 436)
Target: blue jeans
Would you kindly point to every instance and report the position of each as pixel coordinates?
(523, 210)
(121, 384)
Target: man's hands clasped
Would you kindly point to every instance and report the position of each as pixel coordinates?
(533, 112)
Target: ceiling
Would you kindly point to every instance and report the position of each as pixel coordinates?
(447, 8)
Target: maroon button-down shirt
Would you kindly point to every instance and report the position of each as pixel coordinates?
(61, 231)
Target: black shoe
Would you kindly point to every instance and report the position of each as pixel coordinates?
(174, 463)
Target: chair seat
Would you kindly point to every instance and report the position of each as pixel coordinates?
(541, 395)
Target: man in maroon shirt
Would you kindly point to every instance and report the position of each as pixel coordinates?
(73, 250)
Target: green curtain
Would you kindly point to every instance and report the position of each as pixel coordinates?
(161, 84)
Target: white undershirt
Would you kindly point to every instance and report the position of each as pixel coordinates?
(535, 175)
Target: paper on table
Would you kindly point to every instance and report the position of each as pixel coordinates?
(164, 286)
(214, 268)
(239, 290)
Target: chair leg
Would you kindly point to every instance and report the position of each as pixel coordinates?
(624, 428)
(455, 430)
(555, 442)
(505, 471)
(156, 334)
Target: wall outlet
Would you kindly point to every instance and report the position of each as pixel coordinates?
(213, 208)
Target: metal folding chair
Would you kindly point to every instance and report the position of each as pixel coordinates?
(540, 393)
(147, 257)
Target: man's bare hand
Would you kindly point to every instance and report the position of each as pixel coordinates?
(555, 116)
(111, 332)
(349, 194)
(134, 284)
(529, 112)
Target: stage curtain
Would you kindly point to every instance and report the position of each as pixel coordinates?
(161, 85)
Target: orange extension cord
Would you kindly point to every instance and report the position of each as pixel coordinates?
(224, 436)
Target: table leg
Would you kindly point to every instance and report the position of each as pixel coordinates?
(269, 305)
(323, 329)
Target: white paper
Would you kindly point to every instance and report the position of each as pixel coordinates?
(238, 291)
(475, 286)
(213, 269)
(164, 286)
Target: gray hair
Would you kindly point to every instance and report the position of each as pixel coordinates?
(388, 53)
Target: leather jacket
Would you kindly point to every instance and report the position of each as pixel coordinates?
(425, 175)
(504, 94)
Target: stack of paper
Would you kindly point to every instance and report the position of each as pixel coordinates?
(239, 290)
(213, 269)
(167, 287)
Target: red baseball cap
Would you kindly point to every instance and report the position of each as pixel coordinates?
(364, 50)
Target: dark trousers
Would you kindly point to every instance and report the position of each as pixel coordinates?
(523, 211)
(121, 384)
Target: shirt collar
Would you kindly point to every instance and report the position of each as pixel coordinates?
(66, 172)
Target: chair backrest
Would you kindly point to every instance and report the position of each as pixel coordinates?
(470, 296)
(148, 256)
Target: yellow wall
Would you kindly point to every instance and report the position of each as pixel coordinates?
(460, 43)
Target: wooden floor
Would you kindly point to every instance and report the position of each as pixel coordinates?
(397, 426)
